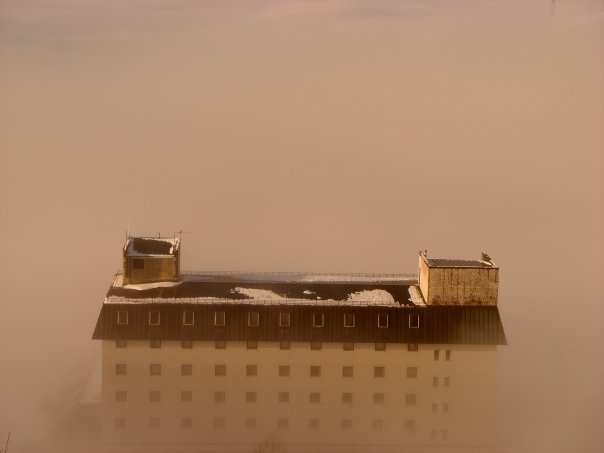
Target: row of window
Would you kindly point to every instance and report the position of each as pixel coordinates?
(186, 369)
(282, 423)
(186, 396)
(253, 344)
(253, 319)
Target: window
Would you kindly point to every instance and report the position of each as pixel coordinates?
(220, 344)
(446, 407)
(443, 434)
(448, 354)
(219, 370)
(413, 347)
(347, 398)
(318, 319)
(120, 396)
(434, 408)
(219, 318)
(410, 425)
(380, 346)
(154, 396)
(155, 369)
(348, 319)
(435, 381)
(122, 317)
(250, 423)
(346, 423)
(383, 320)
(433, 434)
(155, 344)
(219, 423)
(316, 345)
(447, 381)
(315, 370)
(154, 318)
(283, 397)
(186, 369)
(138, 263)
(186, 344)
(284, 345)
(121, 343)
(414, 321)
(186, 396)
(186, 422)
(283, 423)
(411, 371)
(251, 370)
(188, 318)
(411, 399)
(284, 370)
(313, 423)
(378, 398)
(250, 397)
(154, 423)
(253, 319)
(348, 346)
(120, 422)
(314, 397)
(436, 354)
(379, 371)
(219, 397)
(121, 369)
(377, 424)
(251, 344)
(347, 371)
(284, 319)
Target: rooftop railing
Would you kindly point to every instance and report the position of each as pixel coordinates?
(216, 301)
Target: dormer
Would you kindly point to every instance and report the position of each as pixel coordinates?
(151, 260)
(458, 282)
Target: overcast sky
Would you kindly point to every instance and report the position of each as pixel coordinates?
(333, 135)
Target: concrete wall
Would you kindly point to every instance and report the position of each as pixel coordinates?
(458, 286)
(462, 418)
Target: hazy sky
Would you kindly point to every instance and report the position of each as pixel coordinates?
(333, 135)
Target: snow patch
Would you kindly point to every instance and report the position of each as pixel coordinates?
(374, 295)
(143, 286)
(259, 294)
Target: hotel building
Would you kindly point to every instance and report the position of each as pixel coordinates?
(221, 362)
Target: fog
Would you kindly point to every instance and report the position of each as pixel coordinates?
(316, 136)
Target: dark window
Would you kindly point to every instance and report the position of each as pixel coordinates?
(443, 434)
(154, 423)
(414, 321)
(447, 381)
(383, 320)
(188, 318)
(155, 369)
(314, 397)
(186, 369)
(380, 346)
(414, 347)
(219, 423)
(120, 422)
(251, 370)
(378, 398)
(250, 397)
(347, 371)
(284, 319)
(348, 346)
(154, 318)
(250, 423)
(219, 318)
(219, 397)
(121, 369)
(219, 370)
(138, 263)
(313, 423)
(377, 424)
(186, 396)
(186, 344)
(316, 345)
(283, 423)
(347, 398)
(122, 317)
(318, 319)
(220, 344)
(155, 344)
(121, 343)
(379, 371)
(121, 396)
(448, 354)
(446, 407)
(411, 371)
(346, 423)
(434, 381)
(315, 371)
(154, 396)
(284, 370)
(252, 344)
(253, 319)
(411, 399)
(284, 397)
(284, 345)
(410, 425)
(436, 354)
(348, 319)
(186, 422)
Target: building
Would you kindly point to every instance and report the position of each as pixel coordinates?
(211, 362)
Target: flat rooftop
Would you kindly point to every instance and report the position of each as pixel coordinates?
(273, 289)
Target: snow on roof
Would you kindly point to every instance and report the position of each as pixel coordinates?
(151, 247)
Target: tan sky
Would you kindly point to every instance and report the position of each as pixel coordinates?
(317, 135)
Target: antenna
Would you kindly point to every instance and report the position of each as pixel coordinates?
(128, 231)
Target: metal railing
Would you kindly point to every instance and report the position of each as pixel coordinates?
(320, 276)
(216, 301)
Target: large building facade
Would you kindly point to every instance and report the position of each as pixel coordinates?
(220, 362)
